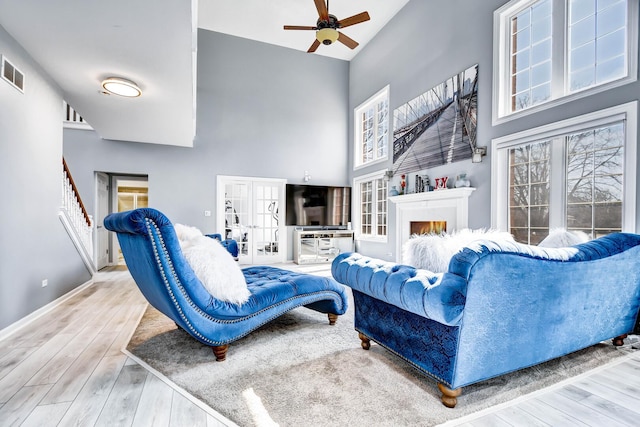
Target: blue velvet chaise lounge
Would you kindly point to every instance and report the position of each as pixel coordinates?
(499, 308)
(156, 262)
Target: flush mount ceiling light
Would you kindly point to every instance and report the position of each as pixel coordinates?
(122, 87)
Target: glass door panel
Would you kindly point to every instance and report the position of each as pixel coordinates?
(251, 218)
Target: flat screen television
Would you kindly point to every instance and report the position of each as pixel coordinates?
(318, 205)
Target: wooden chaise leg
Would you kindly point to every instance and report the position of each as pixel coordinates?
(618, 341)
(366, 342)
(333, 318)
(449, 397)
(221, 352)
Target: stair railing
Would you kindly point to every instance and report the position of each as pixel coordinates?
(76, 219)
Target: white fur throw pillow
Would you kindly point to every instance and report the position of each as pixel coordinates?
(434, 251)
(562, 238)
(213, 265)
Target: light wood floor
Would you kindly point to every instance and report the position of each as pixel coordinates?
(67, 368)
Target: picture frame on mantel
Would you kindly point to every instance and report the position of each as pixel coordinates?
(437, 127)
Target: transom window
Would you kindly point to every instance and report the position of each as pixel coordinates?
(578, 174)
(372, 129)
(370, 194)
(553, 51)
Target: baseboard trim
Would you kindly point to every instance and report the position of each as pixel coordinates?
(16, 326)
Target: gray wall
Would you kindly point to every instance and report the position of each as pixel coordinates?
(427, 42)
(262, 111)
(35, 245)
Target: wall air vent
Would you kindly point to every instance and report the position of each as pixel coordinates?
(11, 74)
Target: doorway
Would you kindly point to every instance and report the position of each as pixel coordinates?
(115, 193)
(249, 212)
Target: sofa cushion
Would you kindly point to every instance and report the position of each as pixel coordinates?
(213, 265)
(434, 251)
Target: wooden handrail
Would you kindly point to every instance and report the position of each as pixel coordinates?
(76, 192)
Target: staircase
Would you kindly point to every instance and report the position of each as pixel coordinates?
(75, 219)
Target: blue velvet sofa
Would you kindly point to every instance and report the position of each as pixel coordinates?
(154, 258)
(499, 308)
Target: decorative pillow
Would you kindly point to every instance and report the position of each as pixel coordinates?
(434, 251)
(213, 265)
(561, 238)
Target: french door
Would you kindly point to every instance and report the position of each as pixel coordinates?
(249, 212)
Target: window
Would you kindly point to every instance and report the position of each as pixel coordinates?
(529, 192)
(372, 130)
(551, 51)
(579, 174)
(370, 202)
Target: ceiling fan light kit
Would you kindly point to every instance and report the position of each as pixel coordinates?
(327, 27)
(327, 36)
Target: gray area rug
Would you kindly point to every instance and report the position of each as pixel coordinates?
(298, 370)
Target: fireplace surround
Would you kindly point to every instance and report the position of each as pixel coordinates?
(450, 206)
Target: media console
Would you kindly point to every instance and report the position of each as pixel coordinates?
(317, 246)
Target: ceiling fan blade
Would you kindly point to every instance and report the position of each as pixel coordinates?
(355, 19)
(299, 27)
(314, 46)
(323, 12)
(347, 41)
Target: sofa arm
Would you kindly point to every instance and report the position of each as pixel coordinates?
(436, 296)
(229, 244)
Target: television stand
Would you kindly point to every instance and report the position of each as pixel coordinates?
(318, 246)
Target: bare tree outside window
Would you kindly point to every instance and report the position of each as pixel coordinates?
(529, 192)
(594, 161)
(594, 180)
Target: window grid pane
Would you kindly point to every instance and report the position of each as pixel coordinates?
(381, 199)
(594, 180)
(366, 207)
(597, 42)
(529, 167)
(531, 56)
(372, 124)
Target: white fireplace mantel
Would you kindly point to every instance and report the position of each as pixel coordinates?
(451, 205)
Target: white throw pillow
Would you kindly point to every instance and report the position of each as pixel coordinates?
(561, 238)
(434, 251)
(213, 265)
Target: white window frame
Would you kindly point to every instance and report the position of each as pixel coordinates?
(357, 205)
(559, 92)
(357, 128)
(628, 113)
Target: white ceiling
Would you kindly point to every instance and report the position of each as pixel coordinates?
(263, 20)
(153, 42)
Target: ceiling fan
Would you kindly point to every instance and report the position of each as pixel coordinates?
(327, 27)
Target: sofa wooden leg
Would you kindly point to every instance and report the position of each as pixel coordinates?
(366, 342)
(618, 341)
(221, 352)
(449, 397)
(333, 318)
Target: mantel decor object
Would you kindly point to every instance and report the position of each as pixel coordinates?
(462, 181)
(441, 183)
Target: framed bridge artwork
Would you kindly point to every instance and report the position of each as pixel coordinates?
(437, 127)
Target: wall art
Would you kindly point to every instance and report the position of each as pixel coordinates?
(437, 127)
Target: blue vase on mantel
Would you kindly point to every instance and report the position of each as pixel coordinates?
(393, 191)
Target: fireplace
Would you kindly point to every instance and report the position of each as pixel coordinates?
(449, 207)
(427, 227)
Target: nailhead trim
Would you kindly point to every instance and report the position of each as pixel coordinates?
(153, 230)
